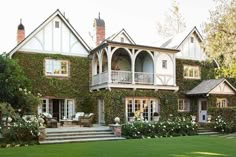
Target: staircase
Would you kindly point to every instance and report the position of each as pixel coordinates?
(204, 131)
(65, 135)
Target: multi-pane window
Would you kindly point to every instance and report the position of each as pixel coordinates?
(129, 108)
(55, 67)
(192, 72)
(44, 105)
(183, 105)
(221, 103)
(143, 108)
(164, 64)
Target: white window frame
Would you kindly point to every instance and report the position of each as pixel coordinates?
(57, 24)
(122, 39)
(185, 105)
(164, 64)
(192, 39)
(137, 104)
(51, 65)
(221, 103)
(194, 70)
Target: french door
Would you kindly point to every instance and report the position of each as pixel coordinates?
(58, 108)
(142, 107)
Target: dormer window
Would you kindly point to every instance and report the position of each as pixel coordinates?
(122, 40)
(192, 39)
(57, 24)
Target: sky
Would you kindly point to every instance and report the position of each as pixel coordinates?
(138, 17)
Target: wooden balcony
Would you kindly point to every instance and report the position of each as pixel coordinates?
(127, 79)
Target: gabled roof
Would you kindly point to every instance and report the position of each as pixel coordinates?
(176, 40)
(206, 86)
(123, 31)
(51, 17)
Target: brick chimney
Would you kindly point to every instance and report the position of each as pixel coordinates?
(20, 32)
(99, 26)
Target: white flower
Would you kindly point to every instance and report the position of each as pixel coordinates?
(20, 89)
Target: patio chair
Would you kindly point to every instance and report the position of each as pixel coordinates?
(87, 120)
(49, 120)
(76, 119)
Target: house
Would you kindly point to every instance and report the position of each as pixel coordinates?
(118, 76)
(195, 76)
(55, 58)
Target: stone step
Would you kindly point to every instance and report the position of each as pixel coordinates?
(208, 133)
(79, 137)
(206, 130)
(53, 131)
(77, 133)
(81, 140)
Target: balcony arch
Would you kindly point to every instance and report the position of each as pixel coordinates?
(95, 65)
(144, 67)
(121, 59)
(104, 60)
(121, 65)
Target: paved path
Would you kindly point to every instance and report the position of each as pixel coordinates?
(227, 136)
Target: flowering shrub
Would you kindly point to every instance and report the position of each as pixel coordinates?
(178, 126)
(21, 130)
(224, 126)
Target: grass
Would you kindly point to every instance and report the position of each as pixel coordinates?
(191, 146)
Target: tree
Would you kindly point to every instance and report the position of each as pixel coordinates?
(174, 22)
(15, 87)
(221, 35)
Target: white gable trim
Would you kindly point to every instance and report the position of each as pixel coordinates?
(189, 34)
(50, 18)
(224, 87)
(125, 34)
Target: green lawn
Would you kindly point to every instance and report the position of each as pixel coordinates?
(191, 146)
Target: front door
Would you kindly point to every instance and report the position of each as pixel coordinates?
(202, 110)
(101, 116)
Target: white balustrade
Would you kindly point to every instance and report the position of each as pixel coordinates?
(144, 78)
(121, 76)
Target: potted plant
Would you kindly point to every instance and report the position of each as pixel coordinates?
(209, 118)
(131, 118)
(193, 117)
(156, 117)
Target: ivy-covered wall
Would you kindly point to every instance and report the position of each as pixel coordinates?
(114, 101)
(207, 72)
(75, 86)
(213, 98)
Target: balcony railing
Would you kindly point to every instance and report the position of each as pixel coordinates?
(144, 78)
(100, 78)
(121, 76)
(124, 77)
